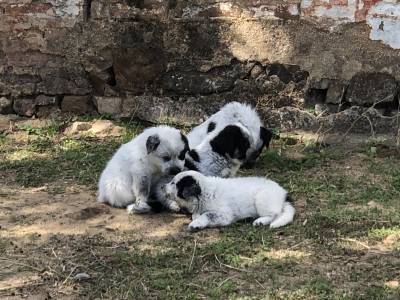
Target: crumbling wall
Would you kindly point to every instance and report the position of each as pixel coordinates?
(304, 63)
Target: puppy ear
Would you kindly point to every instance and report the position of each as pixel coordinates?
(152, 143)
(231, 141)
(188, 187)
(266, 136)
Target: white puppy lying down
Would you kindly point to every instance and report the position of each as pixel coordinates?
(135, 169)
(215, 201)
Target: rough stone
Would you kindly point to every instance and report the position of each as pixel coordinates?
(335, 92)
(100, 128)
(6, 105)
(76, 104)
(256, 71)
(371, 88)
(289, 118)
(164, 109)
(108, 105)
(43, 100)
(137, 67)
(25, 107)
(359, 120)
(217, 80)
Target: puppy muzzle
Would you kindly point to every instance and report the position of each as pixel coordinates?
(174, 171)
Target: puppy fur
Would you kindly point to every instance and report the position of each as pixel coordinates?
(215, 201)
(221, 153)
(137, 166)
(231, 114)
(229, 138)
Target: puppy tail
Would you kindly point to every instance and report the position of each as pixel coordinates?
(285, 217)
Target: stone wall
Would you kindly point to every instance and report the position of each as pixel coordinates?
(307, 64)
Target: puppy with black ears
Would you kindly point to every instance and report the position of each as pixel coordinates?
(215, 201)
(231, 114)
(139, 165)
(228, 139)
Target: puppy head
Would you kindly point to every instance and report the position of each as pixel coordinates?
(231, 142)
(263, 141)
(185, 188)
(167, 149)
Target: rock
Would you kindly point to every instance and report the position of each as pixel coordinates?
(137, 67)
(217, 80)
(108, 105)
(335, 92)
(70, 80)
(100, 128)
(321, 109)
(105, 128)
(256, 71)
(48, 111)
(270, 84)
(45, 100)
(6, 105)
(393, 284)
(286, 73)
(25, 107)
(76, 104)
(78, 127)
(358, 119)
(82, 276)
(185, 111)
(289, 118)
(368, 88)
(187, 83)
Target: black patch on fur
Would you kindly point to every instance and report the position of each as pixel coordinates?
(156, 206)
(266, 136)
(193, 154)
(211, 126)
(231, 141)
(152, 143)
(182, 154)
(190, 166)
(212, 216)
(289, 199)
(188, 187)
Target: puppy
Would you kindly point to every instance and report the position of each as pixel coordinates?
(231, 137)
(137, 166)
(215, 201)
(230, 114)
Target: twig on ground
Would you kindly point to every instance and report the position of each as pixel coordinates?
(21, 264)
(357, 242)
(225, 280)
(230, 267)
(69, 275)
(194, 252)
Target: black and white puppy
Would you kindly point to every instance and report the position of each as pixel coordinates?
(215, 201)
(232, 136)
(139, 165)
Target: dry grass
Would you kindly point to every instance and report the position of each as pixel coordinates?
(344, 243)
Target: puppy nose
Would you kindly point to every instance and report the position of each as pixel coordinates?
(174, 171)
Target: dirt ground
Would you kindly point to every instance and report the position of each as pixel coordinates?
(56, 242)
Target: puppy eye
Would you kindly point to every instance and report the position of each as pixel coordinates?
(166, 158)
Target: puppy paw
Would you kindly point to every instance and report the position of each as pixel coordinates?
(192, 228)
(138, 208)
(195, 226)
(173, 206)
